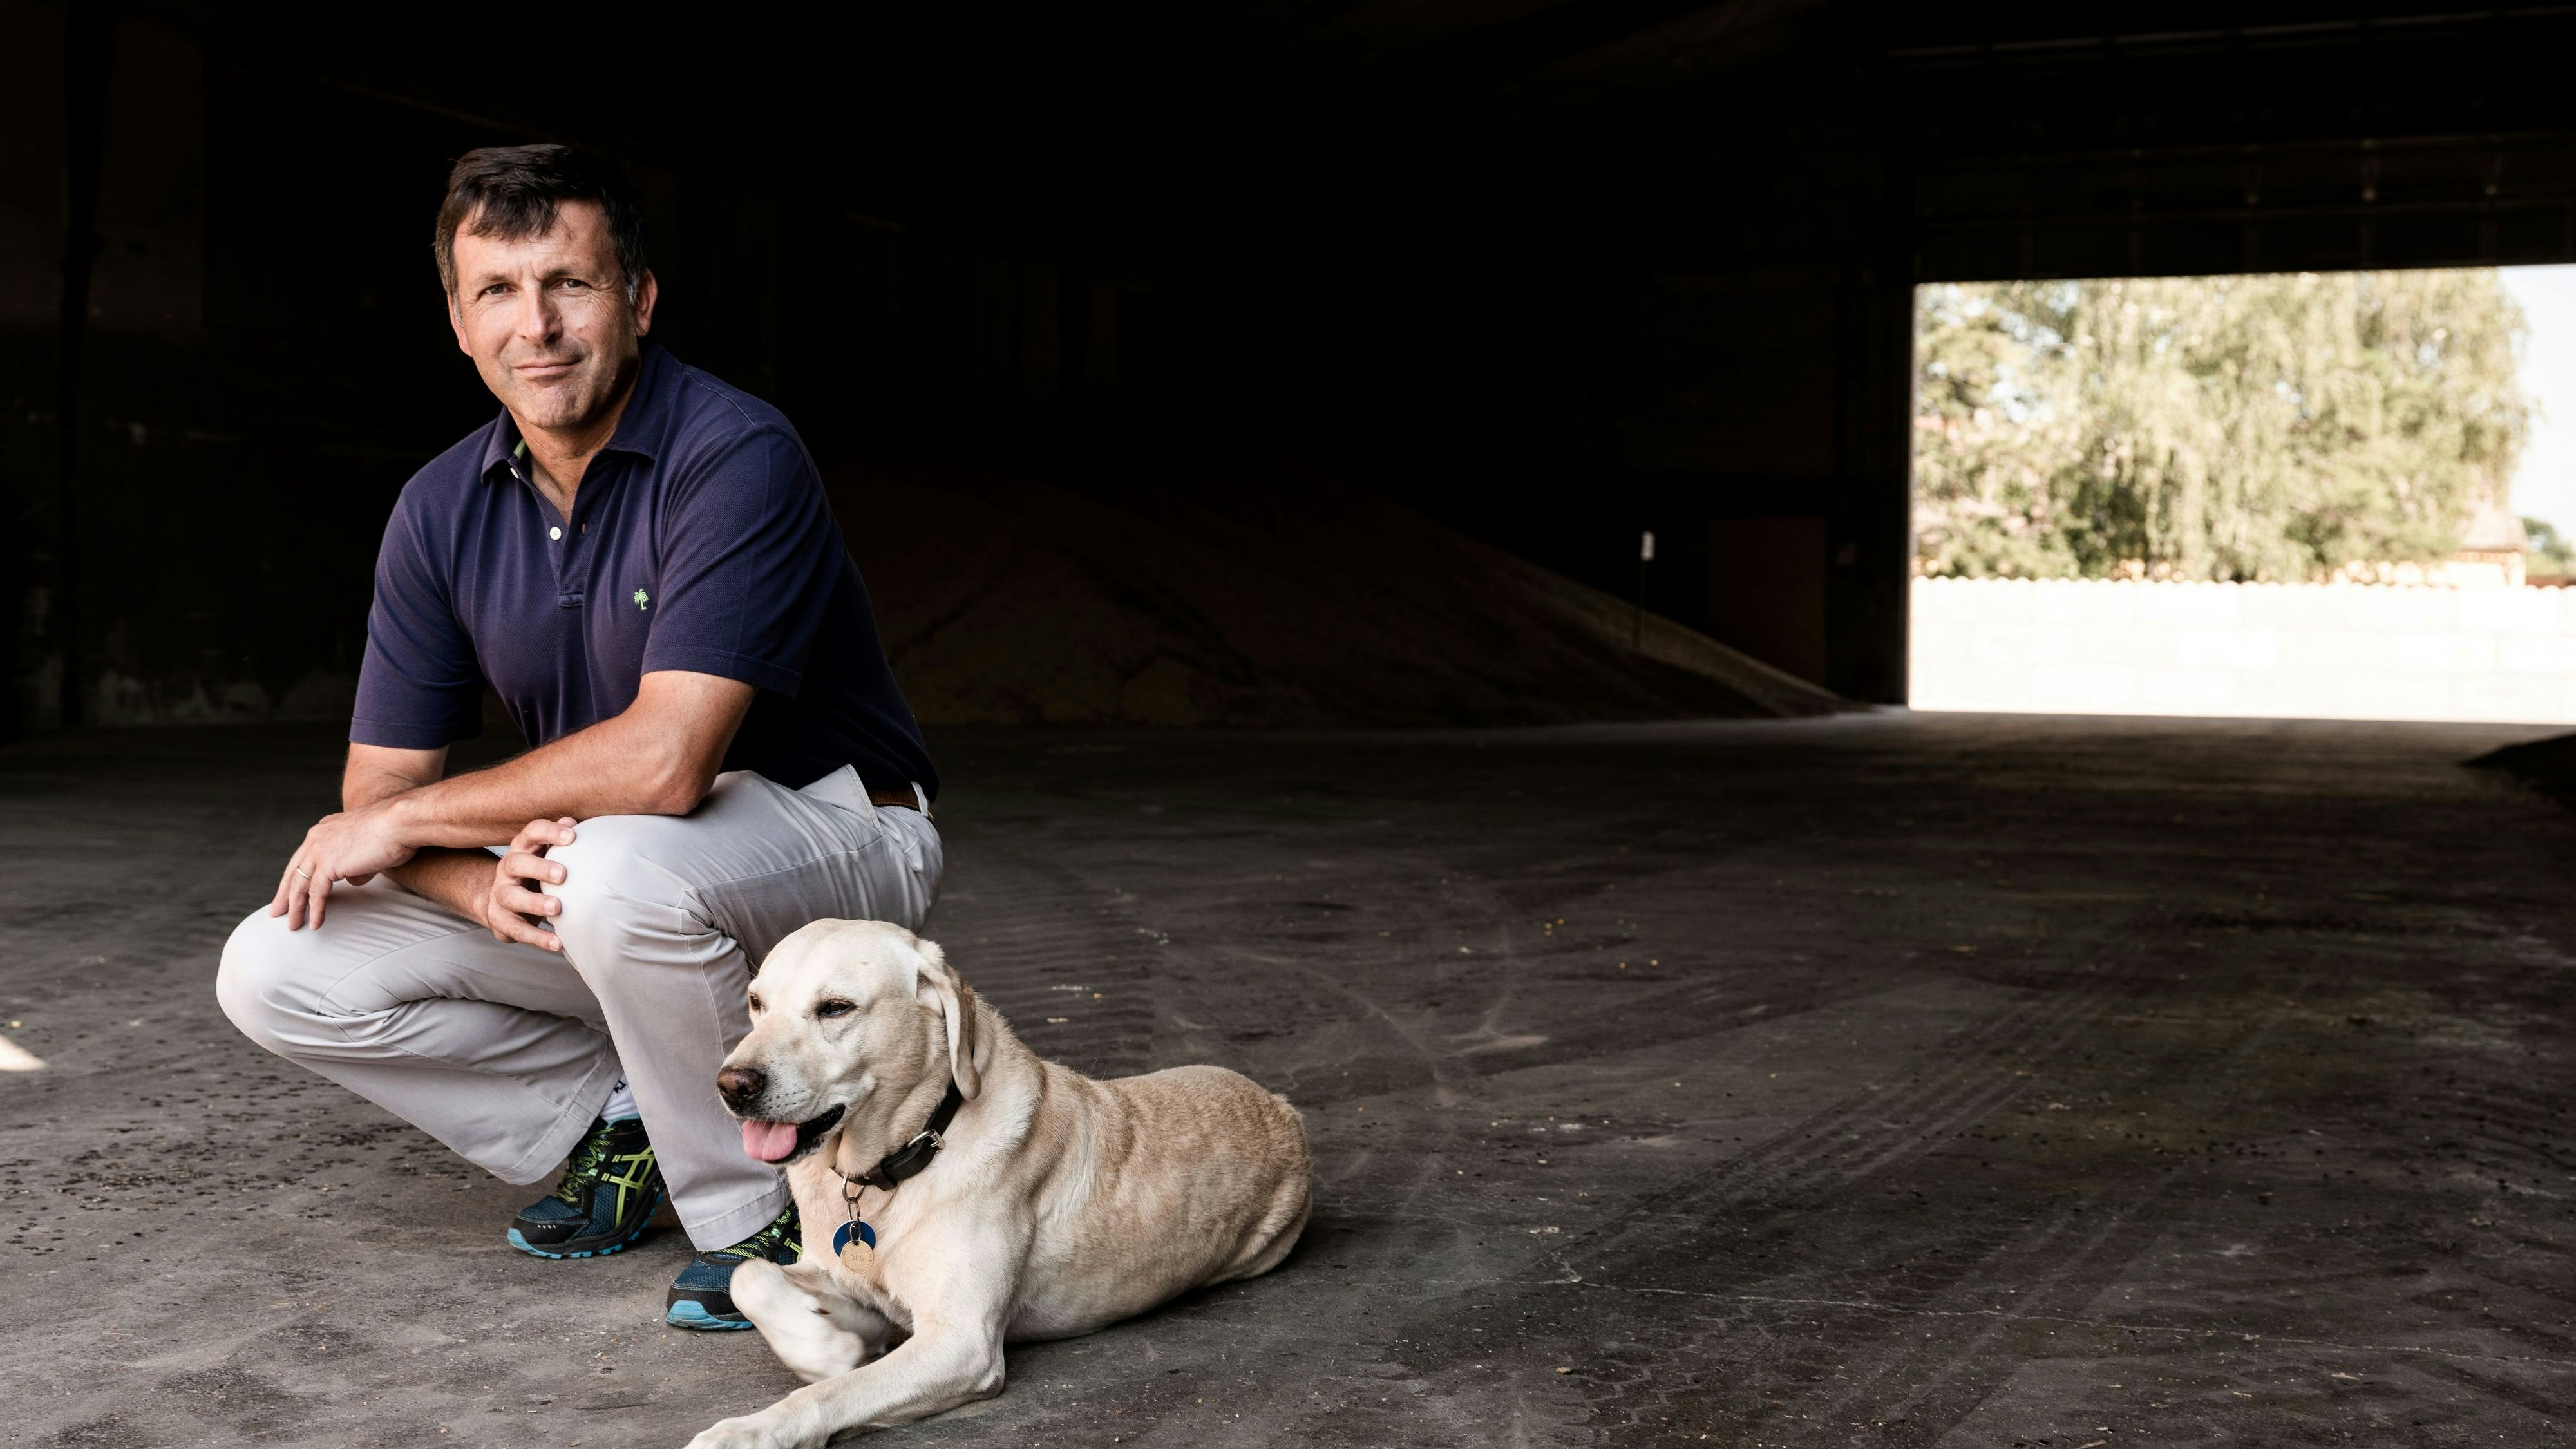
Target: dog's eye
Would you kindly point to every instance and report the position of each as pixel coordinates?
(755, 1002)
(830, 1009)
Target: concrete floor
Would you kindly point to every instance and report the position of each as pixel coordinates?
(1933, 1080)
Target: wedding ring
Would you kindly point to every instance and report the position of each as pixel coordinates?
(299, 870)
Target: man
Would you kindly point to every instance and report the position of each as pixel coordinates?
(640, 561)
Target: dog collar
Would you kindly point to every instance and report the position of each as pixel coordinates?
(909, 1159)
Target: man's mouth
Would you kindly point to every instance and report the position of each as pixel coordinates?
(786, 1141)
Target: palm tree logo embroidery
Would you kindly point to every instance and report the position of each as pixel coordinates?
(642, 599)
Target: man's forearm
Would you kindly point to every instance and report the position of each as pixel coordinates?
(456, 879)
(574, 776)
(657, 758)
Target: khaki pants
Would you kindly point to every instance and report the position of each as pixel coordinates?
(506, 1053)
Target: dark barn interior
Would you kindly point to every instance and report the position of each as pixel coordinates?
(1281, 369)
(1550, 274)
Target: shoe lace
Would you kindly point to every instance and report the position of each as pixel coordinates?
(587, 1160)
(780, 1234)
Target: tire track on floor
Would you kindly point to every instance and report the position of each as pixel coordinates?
(1063, 959)
(2053, 1268)
(1871, 1131)
(1812, 1167)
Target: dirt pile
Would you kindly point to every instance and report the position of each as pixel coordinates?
(2548, 765)
(1262, 599)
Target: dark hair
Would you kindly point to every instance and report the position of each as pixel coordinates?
(512, 192)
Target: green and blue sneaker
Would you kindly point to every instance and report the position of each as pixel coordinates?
(702, 1297)
(608, 1193)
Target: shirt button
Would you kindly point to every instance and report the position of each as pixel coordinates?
(554, 533)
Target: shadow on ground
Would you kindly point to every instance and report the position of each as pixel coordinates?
(1871, 1080)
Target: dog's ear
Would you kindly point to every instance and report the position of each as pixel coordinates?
(955, 1001)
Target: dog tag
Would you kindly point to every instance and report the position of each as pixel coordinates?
(855, 1244)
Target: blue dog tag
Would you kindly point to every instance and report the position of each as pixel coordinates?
(851, 1231)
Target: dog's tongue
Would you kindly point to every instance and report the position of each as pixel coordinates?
(768, 1141)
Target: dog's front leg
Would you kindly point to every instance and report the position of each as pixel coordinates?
(940, 1367)
(958, 1286)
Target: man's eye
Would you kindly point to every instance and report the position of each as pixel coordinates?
(830, 1009)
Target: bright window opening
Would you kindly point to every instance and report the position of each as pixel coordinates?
(2313, 495)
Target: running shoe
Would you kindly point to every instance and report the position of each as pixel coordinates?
(608, 1194)
(702, 1297)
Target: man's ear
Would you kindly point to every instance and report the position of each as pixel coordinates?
(942, 990)
(647, 292)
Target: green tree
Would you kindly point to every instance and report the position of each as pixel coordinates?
(2553, 556)
(2258, 427)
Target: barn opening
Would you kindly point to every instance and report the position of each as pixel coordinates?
(2300, 494)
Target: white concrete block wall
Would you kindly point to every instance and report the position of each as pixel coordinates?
(2314, 651)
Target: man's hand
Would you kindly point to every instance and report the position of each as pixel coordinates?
(514, 909)
(352, 846)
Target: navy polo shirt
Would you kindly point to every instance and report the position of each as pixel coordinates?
(699, 540)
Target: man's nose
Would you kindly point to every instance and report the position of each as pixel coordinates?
(540, 318)
(741, 1086)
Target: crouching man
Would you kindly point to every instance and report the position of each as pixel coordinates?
(640, 561)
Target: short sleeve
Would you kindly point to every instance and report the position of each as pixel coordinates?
(419, 686)
(749, 556)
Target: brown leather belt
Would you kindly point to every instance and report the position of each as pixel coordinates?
(904, 798)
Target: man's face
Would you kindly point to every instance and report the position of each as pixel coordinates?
(546, 319)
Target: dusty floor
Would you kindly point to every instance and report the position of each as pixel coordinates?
(1961, 1081)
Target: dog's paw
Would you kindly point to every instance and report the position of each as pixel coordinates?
(815, 1329)
(744, 1433)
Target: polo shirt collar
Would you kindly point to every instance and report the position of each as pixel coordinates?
(643, 429)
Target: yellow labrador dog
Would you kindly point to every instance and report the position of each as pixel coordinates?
(1008, 1198)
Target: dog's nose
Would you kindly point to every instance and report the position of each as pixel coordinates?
(740, 1085)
